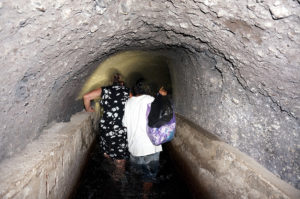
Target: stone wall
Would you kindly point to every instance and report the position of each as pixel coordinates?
(217, 170)
(207, 91)
(49, 167)
(240, 71)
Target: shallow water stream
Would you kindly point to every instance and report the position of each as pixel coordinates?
(96, 181)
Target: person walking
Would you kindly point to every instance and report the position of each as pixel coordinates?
(144, 156)
(113, 135)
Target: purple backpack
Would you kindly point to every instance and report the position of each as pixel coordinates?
(163, 134)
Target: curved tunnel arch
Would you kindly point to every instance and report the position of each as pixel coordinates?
(132, 65)
(223, 77)
(207, 91)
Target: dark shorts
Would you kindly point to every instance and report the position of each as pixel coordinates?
(147, 166)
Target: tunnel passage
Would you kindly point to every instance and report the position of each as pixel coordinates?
(132, 65)
(203, 86)
(234, 67)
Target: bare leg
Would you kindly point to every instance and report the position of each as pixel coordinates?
(147, 186)
(119, 169)
(120, 165)
(106, 156)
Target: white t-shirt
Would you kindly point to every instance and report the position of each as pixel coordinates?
(134, 119)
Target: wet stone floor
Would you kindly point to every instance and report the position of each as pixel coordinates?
(96, 181)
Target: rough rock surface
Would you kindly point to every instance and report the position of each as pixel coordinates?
(234, 66)
(216, 170)
(50, 166)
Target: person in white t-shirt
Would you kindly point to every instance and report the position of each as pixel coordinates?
(144, 156)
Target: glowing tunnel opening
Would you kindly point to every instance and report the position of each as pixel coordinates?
(132, 65)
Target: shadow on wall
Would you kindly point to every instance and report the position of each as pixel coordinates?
(131, 65)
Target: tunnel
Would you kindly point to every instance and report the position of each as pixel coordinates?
(233, 68)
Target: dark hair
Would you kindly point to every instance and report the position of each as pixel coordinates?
(117, 79)
(141, 88)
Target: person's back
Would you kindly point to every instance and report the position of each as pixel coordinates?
(144, 156)
(135, 120)
(112, 134)
(112, 101)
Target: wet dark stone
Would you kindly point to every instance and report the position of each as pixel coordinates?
(97, 182)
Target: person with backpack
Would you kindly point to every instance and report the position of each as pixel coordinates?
(144, 156)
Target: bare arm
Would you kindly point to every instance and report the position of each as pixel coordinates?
(162, 91)
(90, 96)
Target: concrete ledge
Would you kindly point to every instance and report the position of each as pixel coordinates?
(49, 167)
(216, 170)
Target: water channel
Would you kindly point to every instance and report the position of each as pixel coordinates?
(96, 181)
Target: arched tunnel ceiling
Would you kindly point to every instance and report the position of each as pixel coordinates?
(234, 66)
(132, 65)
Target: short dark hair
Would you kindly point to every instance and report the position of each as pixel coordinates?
(141, 88)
